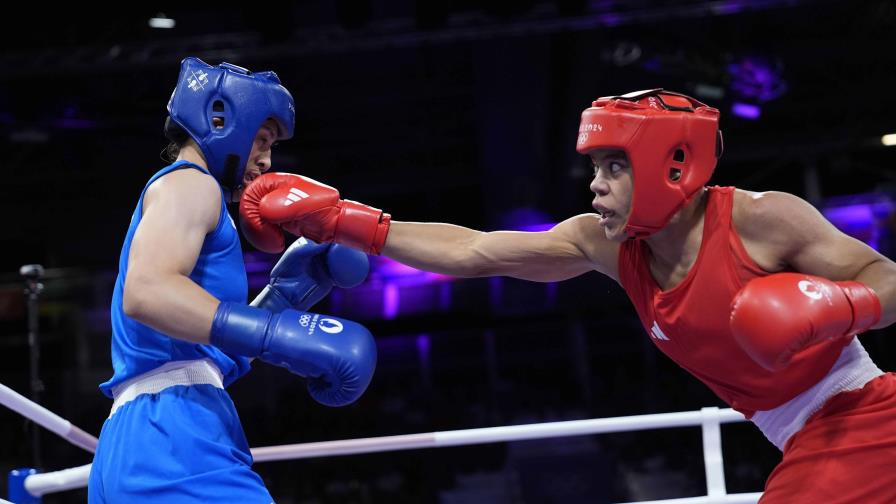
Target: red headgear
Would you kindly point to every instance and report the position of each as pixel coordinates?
(672, 142)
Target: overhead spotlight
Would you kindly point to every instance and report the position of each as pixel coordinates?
(709, 91)
(888, 140)
(626, 53)
(161, 21)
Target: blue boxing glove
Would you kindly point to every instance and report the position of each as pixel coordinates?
(307, 272)
(337, 356)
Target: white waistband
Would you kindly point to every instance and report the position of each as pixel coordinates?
(853, 369)
(192, 372)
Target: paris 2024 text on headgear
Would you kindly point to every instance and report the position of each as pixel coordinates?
(672, 142)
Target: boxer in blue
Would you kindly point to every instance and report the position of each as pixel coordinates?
(181, 328)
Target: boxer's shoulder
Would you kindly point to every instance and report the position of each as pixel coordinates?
(767, 224)
(186, 193)
(586, 233)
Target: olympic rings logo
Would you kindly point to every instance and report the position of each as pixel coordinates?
(304, 320)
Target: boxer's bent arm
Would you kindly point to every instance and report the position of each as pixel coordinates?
(575, 246)
(178, 211)
(805, 241)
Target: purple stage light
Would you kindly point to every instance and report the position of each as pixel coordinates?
(534, 228)
(728, 8)
(862, 216)
(389, 270)
(258, 268)
(610, 19)
(445, 297)
(745, 110)
(524, 219)
(495, 291)
(391, 300)
(423, 345)
(757, 78)
(856, 221)
(393, 289)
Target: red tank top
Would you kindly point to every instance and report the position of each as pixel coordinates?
(689, 322)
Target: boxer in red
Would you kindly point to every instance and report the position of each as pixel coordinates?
(755, 294)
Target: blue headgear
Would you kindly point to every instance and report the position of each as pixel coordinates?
(243, 101)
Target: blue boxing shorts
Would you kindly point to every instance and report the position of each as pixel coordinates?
(174, 436)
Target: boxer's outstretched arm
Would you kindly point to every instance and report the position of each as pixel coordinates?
(571, 248)
(179, 209)
(306, 207)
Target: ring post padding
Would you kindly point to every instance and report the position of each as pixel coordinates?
(16, 490)
(712, 452)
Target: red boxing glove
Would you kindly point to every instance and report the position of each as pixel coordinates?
(305, 207)
(777, 316)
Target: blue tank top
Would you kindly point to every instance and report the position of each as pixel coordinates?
(137, 348)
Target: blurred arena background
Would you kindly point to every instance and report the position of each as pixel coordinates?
(435, 110)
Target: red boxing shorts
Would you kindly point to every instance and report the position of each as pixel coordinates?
(846, 452)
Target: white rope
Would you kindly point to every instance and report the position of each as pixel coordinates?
(489, 435)
(58, 481)
(46, 418)
(744, 498)
(40, 484)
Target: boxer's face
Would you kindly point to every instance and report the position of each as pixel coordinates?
(260, 155)
(612, 188)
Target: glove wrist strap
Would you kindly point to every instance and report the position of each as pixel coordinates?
(866, 310)
(239, 329)
(362, 227)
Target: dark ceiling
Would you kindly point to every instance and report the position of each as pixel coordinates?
(414, 106)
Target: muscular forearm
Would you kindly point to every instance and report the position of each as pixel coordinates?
(437, 247)
(881, 277)
(549, 256)
(173, 305)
